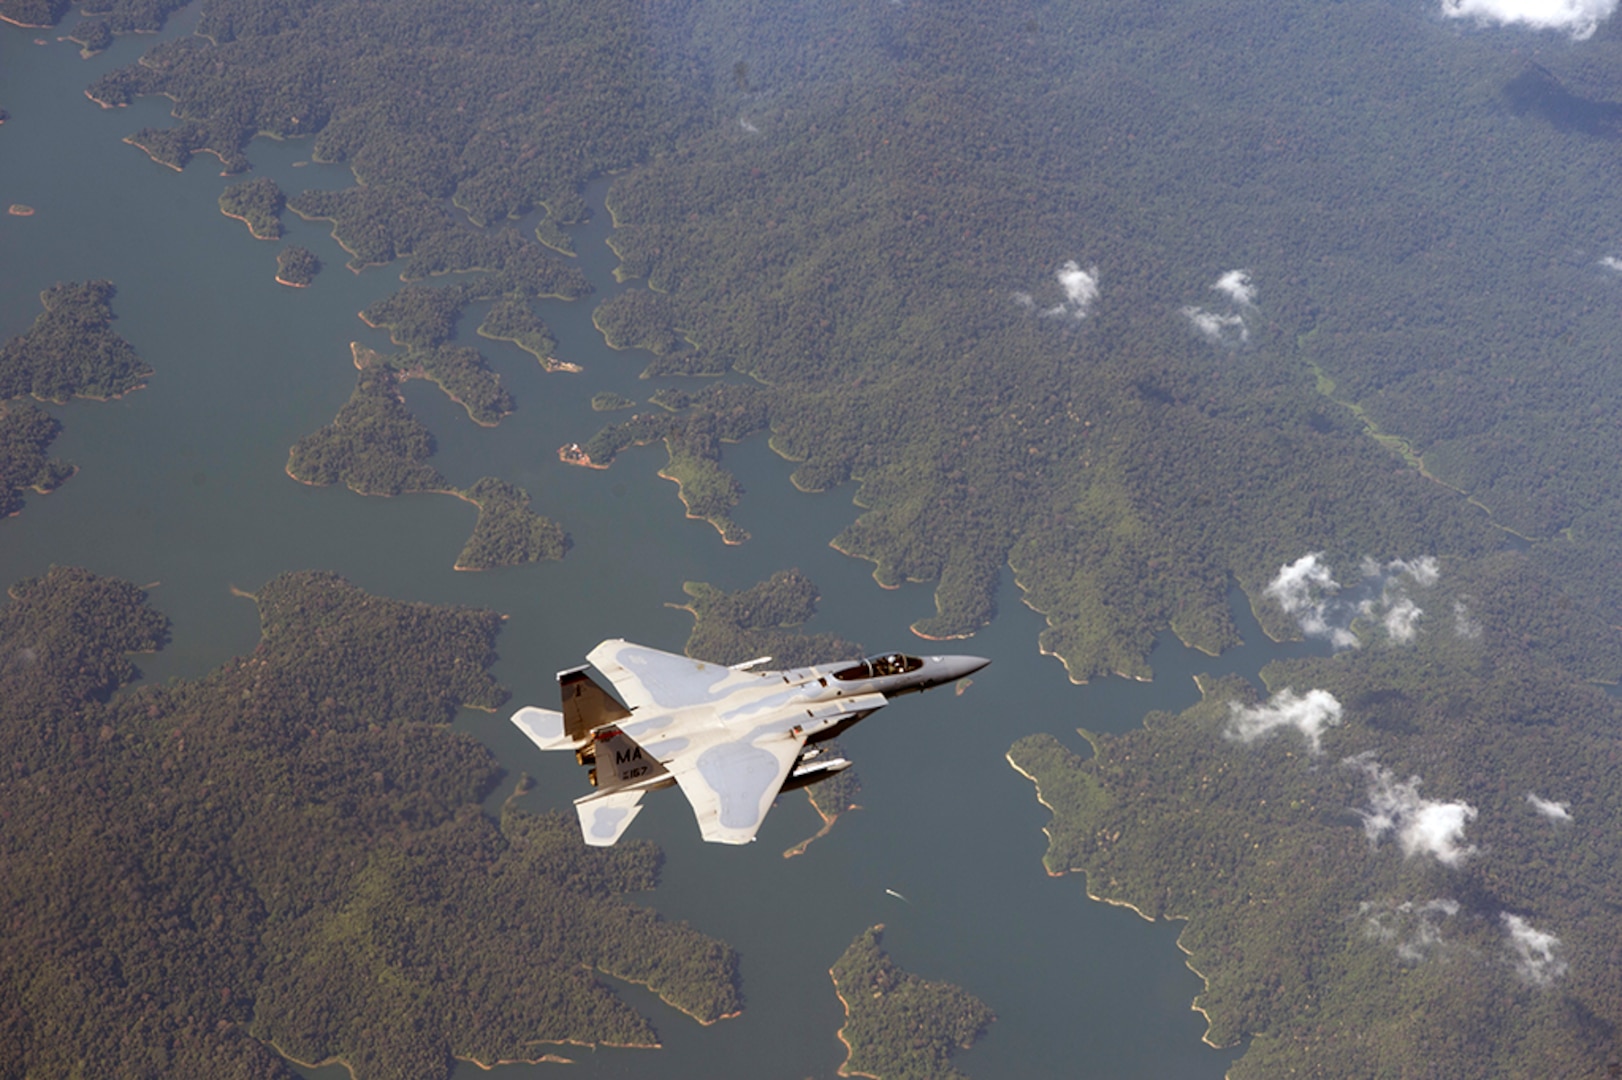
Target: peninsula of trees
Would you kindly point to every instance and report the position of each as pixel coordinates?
(897, 1025)
(26, 433)
(305, 867)
(297, 266)
(508, 532)
(376, 446)
(693, 427)
(731, 627)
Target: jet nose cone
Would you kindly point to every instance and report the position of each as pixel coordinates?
(956, 667)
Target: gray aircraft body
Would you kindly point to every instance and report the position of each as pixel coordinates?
(730, 737)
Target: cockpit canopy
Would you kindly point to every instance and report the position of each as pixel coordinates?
(877, 666)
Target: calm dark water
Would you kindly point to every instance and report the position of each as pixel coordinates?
(181, 485)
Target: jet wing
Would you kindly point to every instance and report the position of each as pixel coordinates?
(732, 780)
(732, 784)
(644, 676)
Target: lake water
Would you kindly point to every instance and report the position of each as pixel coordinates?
(181, 485)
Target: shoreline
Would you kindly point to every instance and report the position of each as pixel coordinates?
(648, 986)
(575, 454)
(375, 358)
(549, 364)
(243, 218)
(850, 1051)
(1087, 888)
(827, 827)
(681, 493)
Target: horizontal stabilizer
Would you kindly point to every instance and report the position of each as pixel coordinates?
(544, 728)
(605, 815)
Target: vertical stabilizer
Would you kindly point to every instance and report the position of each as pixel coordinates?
(586, 706)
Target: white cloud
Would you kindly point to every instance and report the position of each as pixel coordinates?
(1423, 571)
(1534, 951)
(1463, 625)
(1080, 289)
(1237, 286)
(1554, 811)
(1218, 328)
(1611, 262)
(1422, 826)
(1226, 328)
(1306, 590)
(1579, 18)
(1415, 929)
(1309, 714)
(1080, 286)
(743, 122)
(1393, 609)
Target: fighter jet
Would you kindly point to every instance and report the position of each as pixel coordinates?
(730, 737)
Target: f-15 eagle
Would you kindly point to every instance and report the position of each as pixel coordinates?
(730, 737)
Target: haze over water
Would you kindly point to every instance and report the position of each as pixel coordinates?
(181, 484)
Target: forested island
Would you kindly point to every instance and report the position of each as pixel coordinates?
(897, 1025)
(257, 204)
(72, 350)
(1418, 843)
(304, 866)
(608, 401)
(297, 266)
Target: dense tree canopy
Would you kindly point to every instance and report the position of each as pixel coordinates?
(1378, 896)
(26, 433)
(290, 851)
(72, 350)
(508, 532)
(897, 1025)
(1115, 296)
(256, 203)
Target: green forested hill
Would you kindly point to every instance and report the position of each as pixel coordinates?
(867, 207)
(1116, 295)
(1413, 890)
(290, 851)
